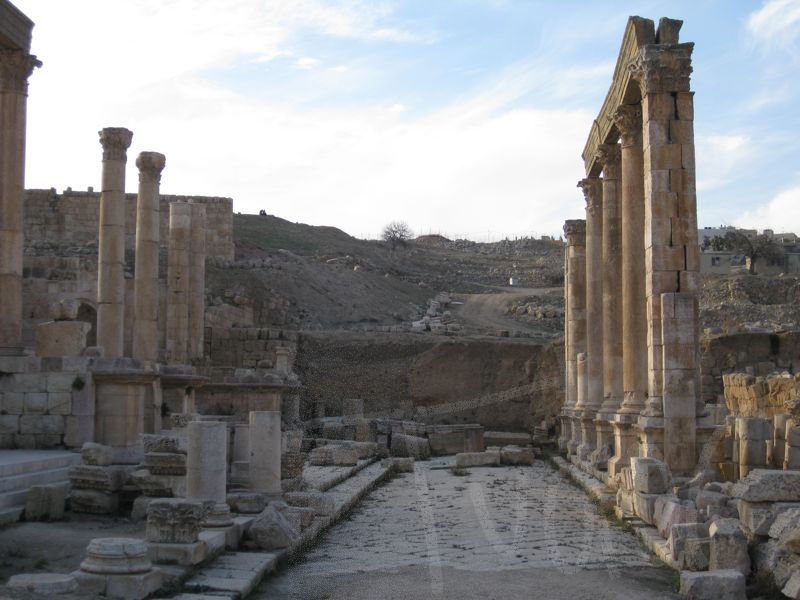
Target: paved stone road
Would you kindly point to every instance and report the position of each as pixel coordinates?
(516, 532)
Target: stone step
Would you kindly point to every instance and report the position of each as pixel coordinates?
(13, 499)
(233, 572)
(18, 462)
(25, 481)
(10, 515)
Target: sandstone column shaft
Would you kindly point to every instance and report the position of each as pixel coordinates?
(197, 282)
(178, 278)
(16, 67)
(145, 330)
(207, 467)
(634, 310)
(265, 452)
(575, 231)
(111, 247)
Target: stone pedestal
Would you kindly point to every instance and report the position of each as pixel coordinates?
(626, 444)
(118, 568)
(111, 247)
(206, 469)
(265, 452)
(145, 330)
(16, 67)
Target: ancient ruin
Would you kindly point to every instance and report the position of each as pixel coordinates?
(191, 397)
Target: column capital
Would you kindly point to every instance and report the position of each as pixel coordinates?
(575, 232)
(609, 155)
(115, 142)
(662, 68)
(150, 165)
(592, 192)
(628, 119)
(16, 67)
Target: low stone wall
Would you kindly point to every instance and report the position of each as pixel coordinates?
(248, 347)
(747, 395)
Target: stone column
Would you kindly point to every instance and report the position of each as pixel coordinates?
(197, 282)
(265, 452)
(207, 469)
(592, 190)
(575, 232)
(671, 248)
(16, 67)
(564, 415)
(111, 247)
(628, 120)
(609, 157)
(145, 329)
(178, 277)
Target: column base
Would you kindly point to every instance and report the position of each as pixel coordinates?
(626, 444)
(574, 435)
(650, 431)
(218, 516)
(588, 437)
(605, 442)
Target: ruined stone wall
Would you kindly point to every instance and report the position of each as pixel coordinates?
(763, 352)
(72, 219)
(548, 384)
(764, 396)
(247, 347)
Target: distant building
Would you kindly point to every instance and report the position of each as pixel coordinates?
(721, 262)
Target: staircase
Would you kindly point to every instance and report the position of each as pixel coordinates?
(21, 469)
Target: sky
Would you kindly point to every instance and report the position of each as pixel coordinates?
(465, 118)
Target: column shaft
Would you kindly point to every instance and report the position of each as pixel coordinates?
(145, 329)
(178, 276)
(265, 452)
(111, 247)
(16, 67)
(197, 282)
(207, 468)
(575, 232)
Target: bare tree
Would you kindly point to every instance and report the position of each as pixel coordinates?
(752, 248)
(397, 233)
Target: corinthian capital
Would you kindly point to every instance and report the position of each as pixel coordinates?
(575, 232)
(609, 156)
(15, 68)
(592, 192)
(628, 119)
(150, 165)
(662, 68)
(115, 142)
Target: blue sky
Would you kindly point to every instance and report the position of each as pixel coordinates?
(464, 117)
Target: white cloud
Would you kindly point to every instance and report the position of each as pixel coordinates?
(776, 23)
(720, 158)
(781, 213)
(306, 62)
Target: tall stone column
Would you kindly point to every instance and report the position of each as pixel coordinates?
(569, 401)
(592, 190)
(575, 232)
(265, 452)
(145, 294)
(16, 67)
(111, 247)
(609, 157)
(197, 281)
(178, 279)
(628, 120)
(207, 469)
(671, 248)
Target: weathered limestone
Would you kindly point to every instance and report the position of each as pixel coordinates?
(612, 307)
(265, 452)
(47, 584)
(61, 338)
(178, 280)
(111, 247)
(206, 469)
(197, 282)
(575, 342)
(145, 330)
(118, 568)
(174, 521)
(271, 530)
(16, 66)
(712, 585)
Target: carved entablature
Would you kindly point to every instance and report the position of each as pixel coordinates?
(16, 67)
(575, 232)
(150, 165)
(662, 68)
(115, 142)
(592, 193)
(609, 155)
(628, 119)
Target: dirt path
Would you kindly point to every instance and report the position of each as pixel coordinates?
(487, 312)
(510, 533)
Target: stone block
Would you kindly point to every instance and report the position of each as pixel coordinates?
(9, 424)
(107, 479)
(46, 584)
(61, 338)
(186, 555)
(490, 458)
(713, 585)
(758, 517)
(650, 476)
(97, 454)
(645, 506)
(410, 446)
(46, 502)
(514, 455)
(94, 502)
(300, 517)
(706, 498)
(34, 403)
(678, 535)
(174, 521)
(247, 503)
(271, 530)
(792, 587)
(728, 546)
(78, 430)
(41, 424)
(323, 504)
(696, 553)
(765, 485)
(785, 521)
(12, 403)
(670, 511)
(135, 586)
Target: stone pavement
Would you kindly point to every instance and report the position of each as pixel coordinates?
(515, 532)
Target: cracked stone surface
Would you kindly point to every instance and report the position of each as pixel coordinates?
(514, 532)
